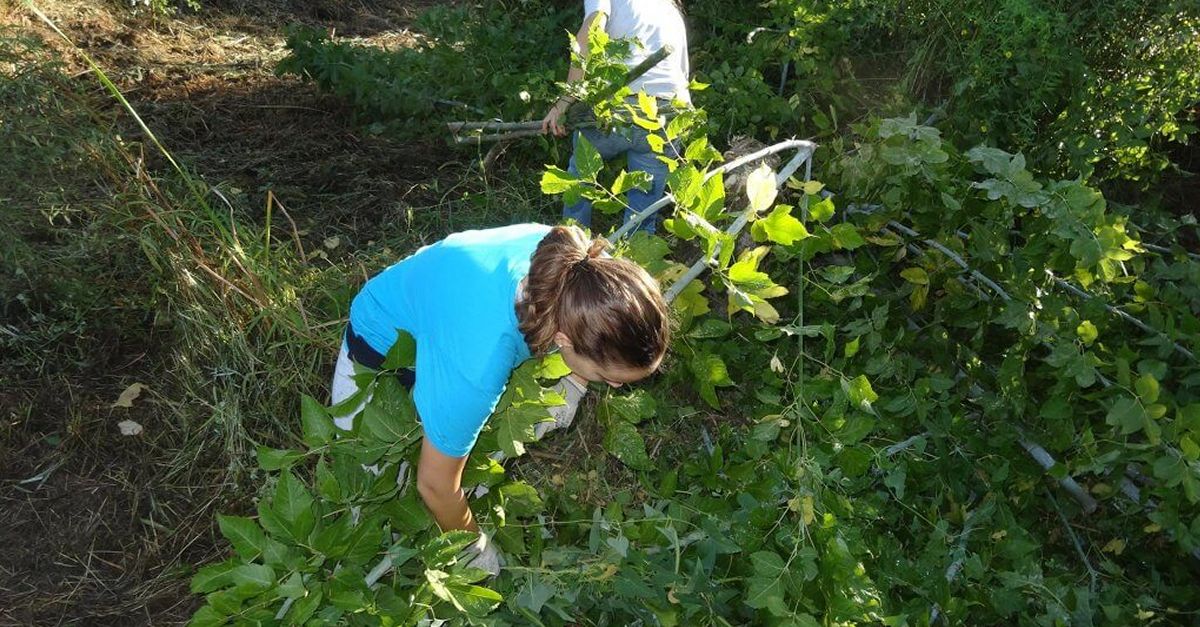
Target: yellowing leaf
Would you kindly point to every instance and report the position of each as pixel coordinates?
(807, 513)
(760, 188)
(1087, 332)
(656, 143)
(813, 187)
(648, 105)
(1116, 546)
(765, 311)
(1147, 388)
(127, 397)
(915, 275)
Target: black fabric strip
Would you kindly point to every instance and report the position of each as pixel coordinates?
(360, 351)
(362, 354)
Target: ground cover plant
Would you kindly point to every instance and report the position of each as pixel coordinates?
(947, 380)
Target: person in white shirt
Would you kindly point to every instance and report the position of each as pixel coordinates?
(653, 23)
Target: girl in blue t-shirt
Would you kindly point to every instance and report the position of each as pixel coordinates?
(479, 303)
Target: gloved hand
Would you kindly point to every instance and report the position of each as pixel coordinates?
(573, 391)
(484, 555)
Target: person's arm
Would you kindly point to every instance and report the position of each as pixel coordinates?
(553, 120)
(439, 482)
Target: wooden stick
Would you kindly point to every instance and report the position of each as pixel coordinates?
(636, 72)
(492, 125)
(497, 137)
(531, 129)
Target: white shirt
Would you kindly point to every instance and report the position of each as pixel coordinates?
(654, 23)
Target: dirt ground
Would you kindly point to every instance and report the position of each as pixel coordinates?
(91, 530)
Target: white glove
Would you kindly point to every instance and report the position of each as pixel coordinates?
(484, 555)
(571, 390)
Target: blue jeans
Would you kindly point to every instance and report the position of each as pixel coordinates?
(640, 159)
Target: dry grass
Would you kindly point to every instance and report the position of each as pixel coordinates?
(100, 528)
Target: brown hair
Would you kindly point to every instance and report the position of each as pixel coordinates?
(611, 308)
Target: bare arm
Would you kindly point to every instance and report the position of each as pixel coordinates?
(439, 481)
(553, 120)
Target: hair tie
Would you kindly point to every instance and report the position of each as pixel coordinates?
(598, 245)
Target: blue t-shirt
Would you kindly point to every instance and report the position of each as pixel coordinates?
(457, 298)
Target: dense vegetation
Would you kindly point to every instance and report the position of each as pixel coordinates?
(953, 379)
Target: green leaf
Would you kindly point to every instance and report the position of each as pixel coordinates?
(257, 577)
(514, 426)
(712, 198)
(710, 328)
(1128, 414)
(895, 480)
(633, 407)
(444, 549)
(365, 542)
(1189, 448)
(244, 534)
(760, 188)
(207, 616)
(408, 514)
(625, 443)
(304, 608)
(821, 210)
(686, 183)
(781, 227)
(846, 236)
(403, 353)
(271, 459)
(318, 426)
(347, 590)
(861, 393)
(710, 372)
(469, 599)
(557, 181)
(293, 588)
(648, 251)
(213, 577)
(390, 427)
(552, 367)
(631, 180)
(1147, 388)
(327, 483)
(766, 588)
(767, 564)
(294, 505)
(332, 538)
(520, 499)
(587, 159)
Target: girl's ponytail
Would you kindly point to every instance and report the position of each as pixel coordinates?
(611, 308)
